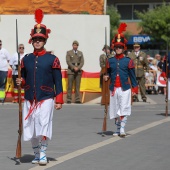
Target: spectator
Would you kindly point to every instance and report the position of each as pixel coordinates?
(154, 68)
(149, 80)
(75, 62)
(158, 57)
(102, 62)
(4, 65)
(160, 64)
(14, 64)
(161, 90)
(150, 61)
(141, 63)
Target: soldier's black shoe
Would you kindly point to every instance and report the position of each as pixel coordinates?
(78, 102)
(135, 99)
(68, 102)
(144, 99)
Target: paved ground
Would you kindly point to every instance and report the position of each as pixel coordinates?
(77, 143)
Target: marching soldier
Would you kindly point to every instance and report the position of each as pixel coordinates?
(141, 63)
(42, 81)
(120, 70)
(75, 62)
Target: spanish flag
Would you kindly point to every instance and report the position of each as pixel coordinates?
(90, 82)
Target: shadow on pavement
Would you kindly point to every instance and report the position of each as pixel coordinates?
(162, 114)
(106, 133)
(27, 159)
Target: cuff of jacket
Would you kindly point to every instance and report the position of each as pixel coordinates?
(163, 74)
(59, 98)
(135, 89)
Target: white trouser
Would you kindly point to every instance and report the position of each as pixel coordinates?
(39, 122)
(120, 103)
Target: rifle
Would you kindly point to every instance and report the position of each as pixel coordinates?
(18, 149)
(167, 71)
(106, 90)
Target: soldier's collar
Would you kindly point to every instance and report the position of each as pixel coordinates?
(39, 53)
(119, 56)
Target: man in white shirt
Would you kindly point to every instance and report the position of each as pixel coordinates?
(14, 65)
(4, 64)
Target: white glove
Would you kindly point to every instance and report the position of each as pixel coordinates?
(13, 67)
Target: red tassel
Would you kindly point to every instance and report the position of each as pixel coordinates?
(122, 28)
(38, 16)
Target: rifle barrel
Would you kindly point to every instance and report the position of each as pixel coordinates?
(18, 148)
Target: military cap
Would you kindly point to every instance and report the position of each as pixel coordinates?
(76, 42)
(39, 29)
(119, 39)
(106, 47)
(136, 45)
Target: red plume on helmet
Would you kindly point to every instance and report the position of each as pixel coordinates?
(39, 16)
(39, 30)
(119, 38)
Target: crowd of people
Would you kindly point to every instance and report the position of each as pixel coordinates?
(152, 78)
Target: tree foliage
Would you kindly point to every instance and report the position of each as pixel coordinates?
(156, 22)
(114, 20)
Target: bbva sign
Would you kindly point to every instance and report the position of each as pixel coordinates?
(141, 39)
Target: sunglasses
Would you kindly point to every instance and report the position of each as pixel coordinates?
(0, 44)
(119, 47)
(21, 47)
(38, 39)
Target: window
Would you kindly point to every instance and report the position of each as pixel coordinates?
(127, 12)
(140, 8)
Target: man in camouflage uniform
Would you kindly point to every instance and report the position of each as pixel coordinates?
(102, 61)
(141, 63)
(75, 62)
(103, 85)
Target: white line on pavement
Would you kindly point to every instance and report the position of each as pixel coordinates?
(98, 145)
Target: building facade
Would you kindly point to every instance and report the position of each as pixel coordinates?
(127, 8)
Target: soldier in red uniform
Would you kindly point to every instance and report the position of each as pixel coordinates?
(42, 81)
(120, 69)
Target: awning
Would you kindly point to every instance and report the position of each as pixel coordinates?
(141, 39)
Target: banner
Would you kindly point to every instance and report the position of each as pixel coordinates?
(90, 82)
(9, 85)
(141, 39)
